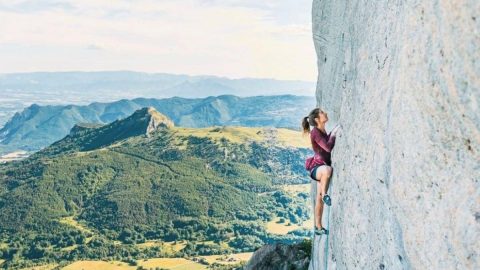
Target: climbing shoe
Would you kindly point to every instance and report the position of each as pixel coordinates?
(326, 199)
(320, 231)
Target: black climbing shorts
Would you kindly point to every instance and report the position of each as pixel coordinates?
(313, 172)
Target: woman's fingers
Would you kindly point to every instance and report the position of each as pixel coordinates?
(335, 129)
(338, 126)
(338, 132)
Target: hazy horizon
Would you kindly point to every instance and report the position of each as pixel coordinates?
(206, 75)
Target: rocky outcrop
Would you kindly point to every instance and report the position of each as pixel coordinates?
(145, 120)
(279, 257)
(157, 120)
(402, 77)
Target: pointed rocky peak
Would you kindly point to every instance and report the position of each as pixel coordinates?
(160, 118)
(152, 118)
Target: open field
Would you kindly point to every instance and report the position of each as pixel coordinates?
(99, 265)
(17, 155)
(42, 267)
(72, 222)
(166, 263)
(282, 228)
(172, 263)
(228, 259)
(169, 247)
(296, 188)
(285, 137)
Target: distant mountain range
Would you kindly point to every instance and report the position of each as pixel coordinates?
(102, 188)
(20, 90)
(38, 126)
(151, 84)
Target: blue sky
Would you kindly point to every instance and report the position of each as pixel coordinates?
(216, 37)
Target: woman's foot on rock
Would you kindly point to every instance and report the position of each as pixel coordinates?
(320, 231)
(326, 199)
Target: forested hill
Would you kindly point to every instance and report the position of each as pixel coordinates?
(143, 178)
(38, 126)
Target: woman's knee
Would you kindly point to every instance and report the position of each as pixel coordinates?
(327, 170)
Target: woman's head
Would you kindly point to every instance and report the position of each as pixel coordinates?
(315, 118)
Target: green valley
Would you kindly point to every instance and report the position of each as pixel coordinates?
(141, 188)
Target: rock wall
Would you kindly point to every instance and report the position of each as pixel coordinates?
(402, 77)
(279, 257)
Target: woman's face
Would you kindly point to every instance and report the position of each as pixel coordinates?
(322, 117)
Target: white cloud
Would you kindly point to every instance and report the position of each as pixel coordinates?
(227, 38)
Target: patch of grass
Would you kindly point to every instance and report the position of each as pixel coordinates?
(228, 258)
(292, 138)
(72, 222)
(172, 263)
(296, 188)
(149, 244)
(179, 245)
(99, 265)
(275, 227)
(70, 248)
(236, 134)
(233, 134)
(41, 267)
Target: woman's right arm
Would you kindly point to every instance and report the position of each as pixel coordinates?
(327, 145)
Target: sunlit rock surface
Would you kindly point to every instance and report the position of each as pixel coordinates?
(402, 77)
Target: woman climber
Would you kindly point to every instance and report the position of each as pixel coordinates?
(320, 164)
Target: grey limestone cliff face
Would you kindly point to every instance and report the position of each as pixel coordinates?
(403, 79)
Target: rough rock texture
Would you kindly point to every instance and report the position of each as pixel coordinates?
(279, 257)
(149, 119)
(402, 77)
(157, 120)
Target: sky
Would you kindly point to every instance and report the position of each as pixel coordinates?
(231, 38)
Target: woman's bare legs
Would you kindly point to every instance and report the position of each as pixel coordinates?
(318, 207)
(323, 173)
(325, 179)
